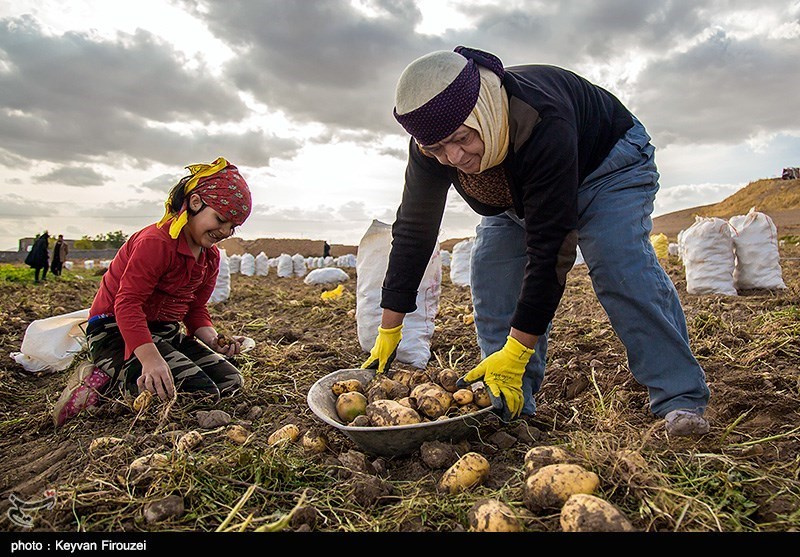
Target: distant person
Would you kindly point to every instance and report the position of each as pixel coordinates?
(551, 162)
(326, 250)
(161, 277)
(39, 256)
(60, 252)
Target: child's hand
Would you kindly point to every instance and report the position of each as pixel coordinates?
(228, 346)
(157, 379)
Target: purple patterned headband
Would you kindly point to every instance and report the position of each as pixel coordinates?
(447, 110)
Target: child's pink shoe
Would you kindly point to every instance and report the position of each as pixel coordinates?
(82, 391)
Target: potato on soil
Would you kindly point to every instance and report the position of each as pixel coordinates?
(383, 413)
(347, 386)
(100, 443)
(552, 485)
(287, 434)
(349, 405)
(491, 515)
(314, 441)
(586, 513)
(189, 441)
(543, 455)
(237, 434)
(142, 401)
(141, 469)
(469, 471)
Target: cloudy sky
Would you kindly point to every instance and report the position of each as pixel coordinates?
(104, 102)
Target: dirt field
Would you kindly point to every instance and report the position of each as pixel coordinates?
(743, 476)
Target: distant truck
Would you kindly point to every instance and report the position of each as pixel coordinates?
(791, 173)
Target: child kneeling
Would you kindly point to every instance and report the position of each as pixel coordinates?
(161, 277)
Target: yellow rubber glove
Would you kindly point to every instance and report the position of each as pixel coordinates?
(502, 373)
(385, 349)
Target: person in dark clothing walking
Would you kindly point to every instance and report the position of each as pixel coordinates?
(39, 256)
(60, 251)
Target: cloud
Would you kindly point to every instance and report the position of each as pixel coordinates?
(76, 97)
(73, 176)
(722, 91)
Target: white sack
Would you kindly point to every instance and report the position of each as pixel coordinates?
(50, 344)
(328, 275)
(445, 258)
(578, 257)
(68, 265)
(285, 265)
(708, 257)
(460, 262)
(755, 245)
(247, 266)
(222, 288)
(262, 265)
(371, 264)
(299, 265)
(235, 263)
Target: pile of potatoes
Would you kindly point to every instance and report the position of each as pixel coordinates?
(403, 397)
(554, 481)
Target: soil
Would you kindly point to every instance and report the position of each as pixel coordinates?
(748, 345)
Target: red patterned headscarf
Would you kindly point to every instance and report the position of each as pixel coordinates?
(221, 187)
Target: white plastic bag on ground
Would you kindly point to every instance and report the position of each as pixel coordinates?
(708, 257)
(371, 264)
(50, 344)
(247, 266)
(328, 275)
(285, 265)
(755, 245)
(262, 265)
(222, 288)
(460, 261)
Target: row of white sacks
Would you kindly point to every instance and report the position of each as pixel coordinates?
(722, 256)
(286, 265)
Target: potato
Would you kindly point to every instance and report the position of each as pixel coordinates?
(463, 396)
(287, 434)
(410, 378)
(100, 443)
(448, 378)
(314, 441)
(552, 485)
(586, 513)
(361, 421)
(349, 405)
(491, 515)
(408, 401)
(143, 468)
(391, 413)
(469, 471)
(347, 386)
(142, 401)
(432, 399)
(189, 441)
(237, 434)
(538, 457)
(481, 395)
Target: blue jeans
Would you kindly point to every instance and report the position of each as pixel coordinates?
(614, 224)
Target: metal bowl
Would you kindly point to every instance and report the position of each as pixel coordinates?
(387, 441)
